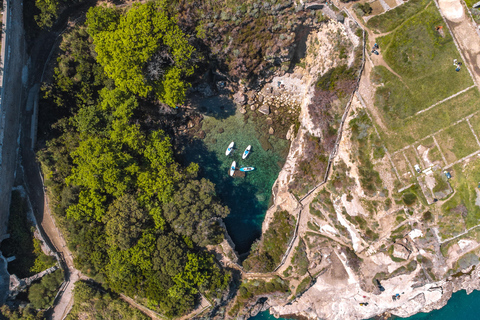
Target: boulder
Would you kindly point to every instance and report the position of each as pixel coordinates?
(202, 134)
(239, 98)
(269, 121)
(265, 109)
(271, 131)
(243, 110)
(252, 107)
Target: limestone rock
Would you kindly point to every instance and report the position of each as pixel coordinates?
(265, 109)
(271, 131)
(239, 98)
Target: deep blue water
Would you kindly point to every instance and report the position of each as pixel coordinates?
(460, 307)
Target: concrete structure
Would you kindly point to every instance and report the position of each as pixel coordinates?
(12, 63)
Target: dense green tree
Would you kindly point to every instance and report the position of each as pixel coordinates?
(48, 12)
(41, 294)
(124, 222)
(25, 313)
(93, 304)
(194, 210)
(142, 50)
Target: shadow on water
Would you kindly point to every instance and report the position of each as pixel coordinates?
(219, 106)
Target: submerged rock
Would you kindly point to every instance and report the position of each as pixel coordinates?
(265, 109)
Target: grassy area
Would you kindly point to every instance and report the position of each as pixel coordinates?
(413, 158)
(475, 122)
(271, 249)
(30, 258)
(423, 59)
(463, 206)
(457, 142)
(393, 18)
(404, 132)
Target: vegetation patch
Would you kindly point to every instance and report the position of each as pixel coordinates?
(41, 294)
(270, 250)
(94, 303)
(304, 284)
(22, 244)
(462, 209)
(392, 19)
(300, 259)
(404, 132)
(362, 137)
(252, 288)
(422, 59)
(457, 142)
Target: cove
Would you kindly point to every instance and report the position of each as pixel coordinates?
(248, 198)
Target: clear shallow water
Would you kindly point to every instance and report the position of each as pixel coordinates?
(248, 198)
(460, 307)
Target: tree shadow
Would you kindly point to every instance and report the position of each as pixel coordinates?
(301, 36)
(218, 106)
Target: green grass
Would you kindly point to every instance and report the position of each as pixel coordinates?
(303, 285)
(393, 18)
(412, 157)
(465, 180)
(423, 59)
(404, 132)
(441, 182)
(475, 122)
(457, 142)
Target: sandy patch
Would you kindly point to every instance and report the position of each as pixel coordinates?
(452, 10)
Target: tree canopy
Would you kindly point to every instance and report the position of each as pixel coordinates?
(143, 50)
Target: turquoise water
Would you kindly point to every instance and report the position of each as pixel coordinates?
(248, 198)
(460, 307)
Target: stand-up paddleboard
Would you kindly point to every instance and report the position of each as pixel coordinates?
(246, 169)
(230, 148)
(246, 152)
(232, 168)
